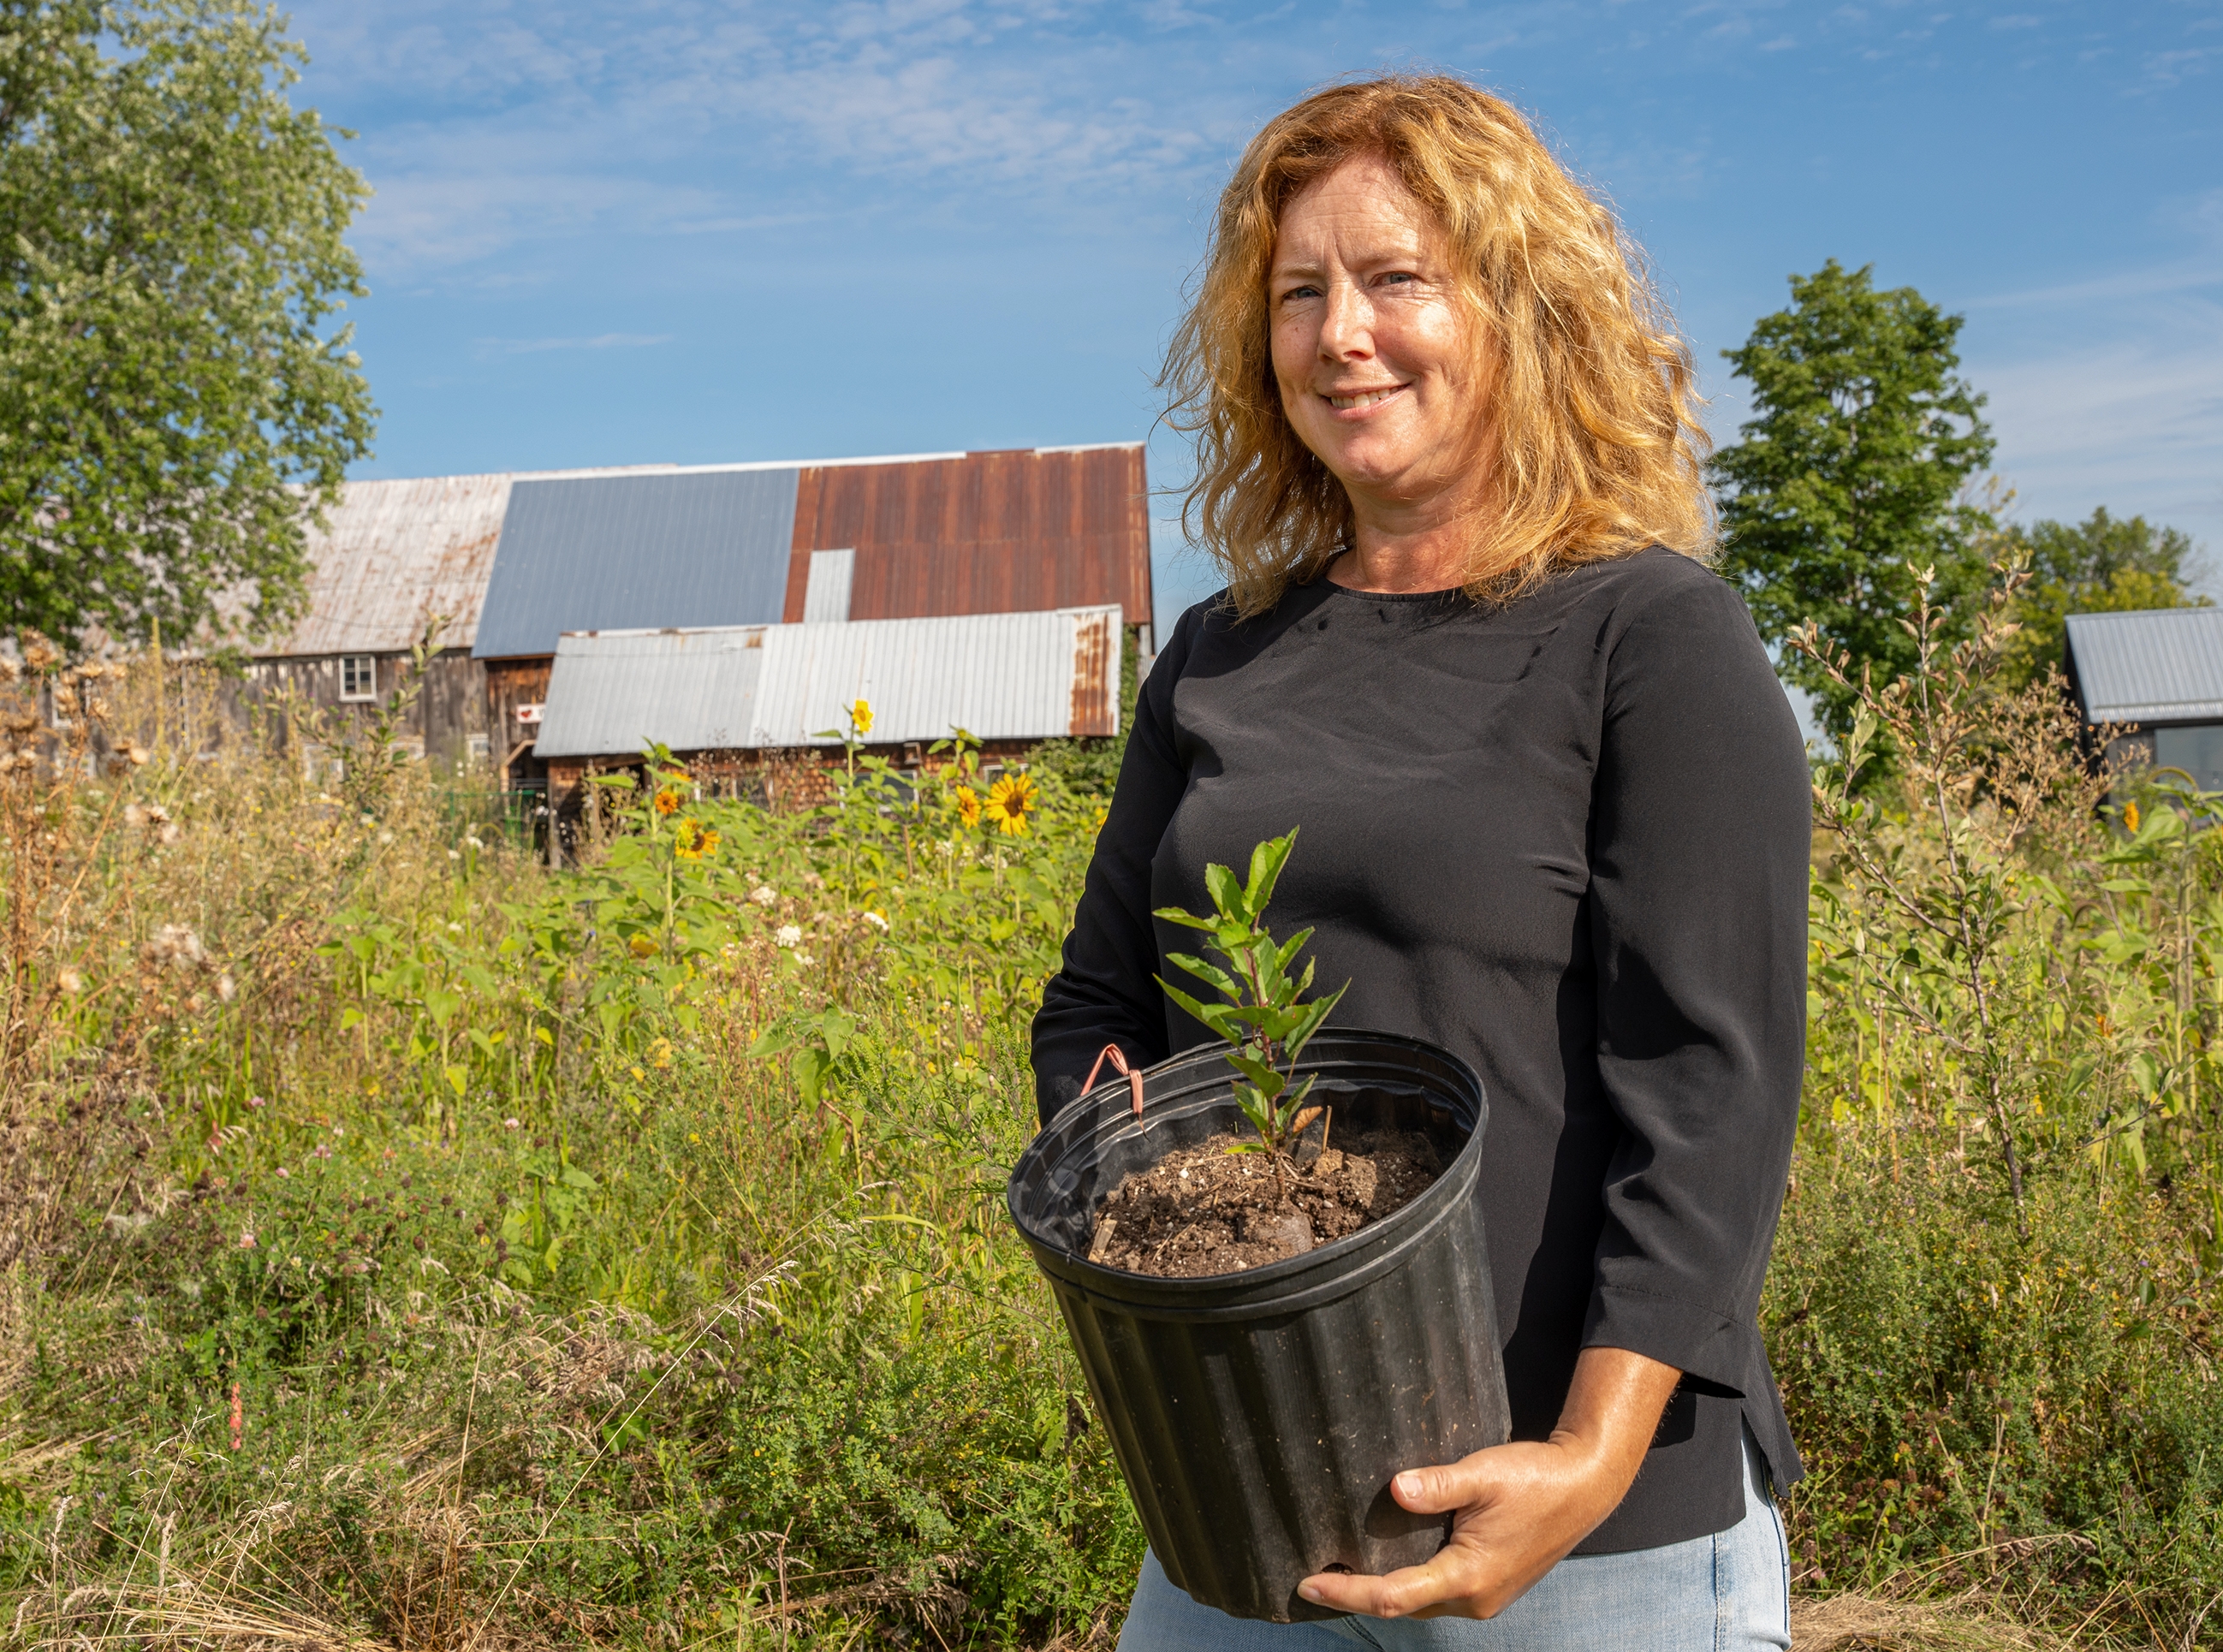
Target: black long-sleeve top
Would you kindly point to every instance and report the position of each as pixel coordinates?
(1567, 839)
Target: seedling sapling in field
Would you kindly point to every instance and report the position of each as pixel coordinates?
(1265, 1019)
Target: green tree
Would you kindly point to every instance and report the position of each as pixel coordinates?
(174, 406)
(2099, 566)
(1852, 476)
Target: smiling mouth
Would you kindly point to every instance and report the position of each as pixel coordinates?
(1364, 398)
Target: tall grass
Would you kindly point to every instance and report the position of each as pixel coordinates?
(407, 1246)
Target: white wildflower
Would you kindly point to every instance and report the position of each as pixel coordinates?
(247, 1240)
(226, 988)
(877, 921)
(386, 837)
(788, 935)
(511, 1123)
(455, 855)
(176, 945)
(765, 895)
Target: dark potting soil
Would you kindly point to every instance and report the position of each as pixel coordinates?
(1203, 1210)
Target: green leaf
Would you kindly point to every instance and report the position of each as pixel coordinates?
(1174, 915)
(1222, 1019)
(1268, 1081)
(836, 1029)
(1212, 974)
(1315, 1015)
(1226, 894)
(1266, 863)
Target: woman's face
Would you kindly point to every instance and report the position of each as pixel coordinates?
(1371, 340)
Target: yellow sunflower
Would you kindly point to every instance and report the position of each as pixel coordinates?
(693, 840)
(861, 715)
(1010, 800)
(667, 802)
(968, 805)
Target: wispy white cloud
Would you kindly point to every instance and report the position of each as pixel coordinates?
(600, 341)
(2172, 68)
(2136, 424)
(2158, 280)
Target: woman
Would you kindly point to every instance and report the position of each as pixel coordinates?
(1554, 813)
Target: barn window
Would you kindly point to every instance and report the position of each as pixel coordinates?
(358, 676)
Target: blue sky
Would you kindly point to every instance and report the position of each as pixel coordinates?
(693, 231)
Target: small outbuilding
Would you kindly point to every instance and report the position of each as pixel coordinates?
(2156, 675)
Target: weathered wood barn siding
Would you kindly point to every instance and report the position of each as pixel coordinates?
(450, 720)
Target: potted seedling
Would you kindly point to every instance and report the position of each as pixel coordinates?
(1264, 1016)
(1272, 1328)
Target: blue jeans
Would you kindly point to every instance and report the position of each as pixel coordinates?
(1731, 1593)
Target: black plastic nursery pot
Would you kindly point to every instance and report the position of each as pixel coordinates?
(1259, 1416)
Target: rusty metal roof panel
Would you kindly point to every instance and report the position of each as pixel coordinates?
(1025, 531)
(1000, 677)
(679, 548)
(608, 694)
(393, 555)
(2156, 665)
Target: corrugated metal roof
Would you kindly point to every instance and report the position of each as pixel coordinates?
(2154, 665)
(1001, 676)
(610, 694)
(696, 548)
(393, 555)
(984, 533)
(936, 533)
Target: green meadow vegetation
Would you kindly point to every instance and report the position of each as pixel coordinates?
(404, 1246)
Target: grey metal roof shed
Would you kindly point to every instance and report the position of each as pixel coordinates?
(2152, 666)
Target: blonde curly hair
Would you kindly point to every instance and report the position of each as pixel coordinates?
(1595, 440)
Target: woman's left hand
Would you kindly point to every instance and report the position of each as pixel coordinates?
(1518, 1510)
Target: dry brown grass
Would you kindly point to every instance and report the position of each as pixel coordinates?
(1861, 1622)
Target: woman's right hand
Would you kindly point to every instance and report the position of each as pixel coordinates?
(1518, 1510)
